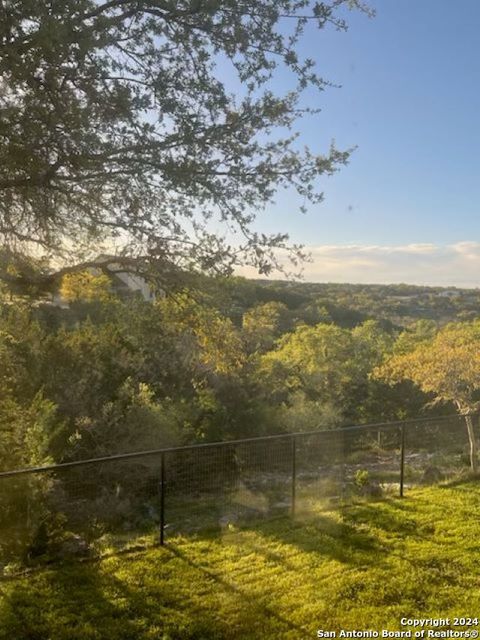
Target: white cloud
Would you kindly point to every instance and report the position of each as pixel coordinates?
(419, 263)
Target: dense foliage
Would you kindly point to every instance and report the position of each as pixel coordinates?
(446, 364)
(228, 358)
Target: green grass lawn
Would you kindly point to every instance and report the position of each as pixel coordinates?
(363, 568)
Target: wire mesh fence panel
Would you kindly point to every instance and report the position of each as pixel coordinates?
(97, 506)
(217, 487)
(265, 480)
(110, 503)
(319, 471)
(197, 485)
(335, 466)
(78, 511)
(372, 460)
(437, 451)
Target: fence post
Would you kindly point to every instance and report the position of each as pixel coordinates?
(162, 500)
(402, 461)
(294, 473)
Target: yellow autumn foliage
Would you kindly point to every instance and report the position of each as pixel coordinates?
(219, 345)
(447, 365)
(85, 286)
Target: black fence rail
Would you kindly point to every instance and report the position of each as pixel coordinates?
(105, 504)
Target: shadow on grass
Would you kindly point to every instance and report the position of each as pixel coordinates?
(161, 594)
(364, 534)
(389, 515)
(326, 537)
(170, 593)
(65, 602)
(233, 588)
(464, 482)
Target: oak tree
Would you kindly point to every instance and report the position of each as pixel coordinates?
(446, 365)
(141, 122)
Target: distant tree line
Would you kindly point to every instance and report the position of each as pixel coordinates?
(219, 359)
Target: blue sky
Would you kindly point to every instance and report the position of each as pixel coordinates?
(410, 101)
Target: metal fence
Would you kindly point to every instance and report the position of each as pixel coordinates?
(105, 504)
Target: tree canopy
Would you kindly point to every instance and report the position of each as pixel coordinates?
(118, 124)
(446, 365)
